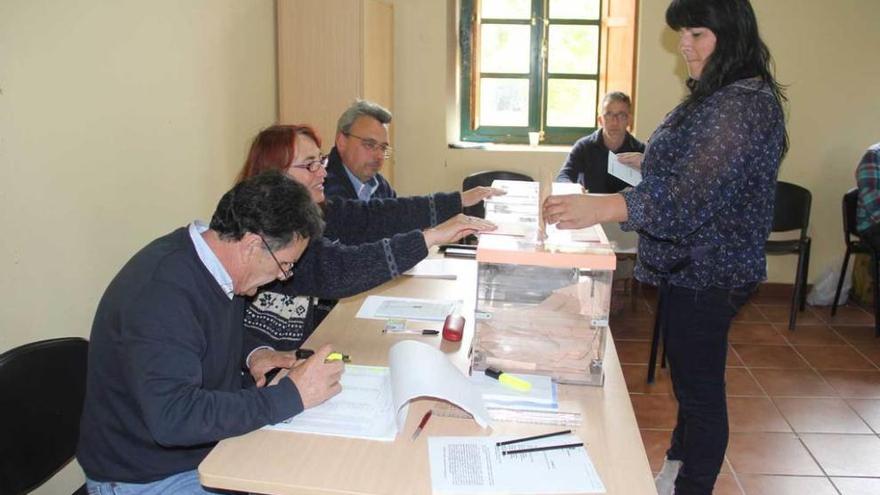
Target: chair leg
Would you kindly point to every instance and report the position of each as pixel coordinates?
(806, 274)
(655, 339)
(796, 294)
(840, 281)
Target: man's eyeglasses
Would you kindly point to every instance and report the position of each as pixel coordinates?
(288, 272)
(372, 145)
(313, 165)
(616, 116)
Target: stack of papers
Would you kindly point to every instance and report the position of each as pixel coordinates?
(476, 465)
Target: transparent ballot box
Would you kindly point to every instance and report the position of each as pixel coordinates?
(543, 302)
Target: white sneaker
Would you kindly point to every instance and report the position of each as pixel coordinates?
(665, 480)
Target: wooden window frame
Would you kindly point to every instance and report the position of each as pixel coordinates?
(617, 60)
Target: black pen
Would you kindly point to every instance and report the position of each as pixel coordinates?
(539, 449)
(536, 437)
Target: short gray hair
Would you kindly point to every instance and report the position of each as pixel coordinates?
(361, 108)
(618, 96)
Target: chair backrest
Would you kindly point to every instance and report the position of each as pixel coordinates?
(792, 210)
(42, 387)
(485, 178)
(850, 204)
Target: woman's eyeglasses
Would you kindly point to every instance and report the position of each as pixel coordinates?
(372, 145)
(312, 165)
(288, 272)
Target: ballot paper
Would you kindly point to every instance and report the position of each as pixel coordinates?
(383, 308)
(437, 268)
(623, 172)
(462, 465)
(375, 400)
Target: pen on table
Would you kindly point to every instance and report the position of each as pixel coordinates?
(337, 356)
(536, 437)
(422, 423)
(426, 331)
(541, 449)
(511, 381)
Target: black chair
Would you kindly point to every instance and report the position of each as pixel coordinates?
(855, 244)
(792, 212)
(485, 178)
(42, 387)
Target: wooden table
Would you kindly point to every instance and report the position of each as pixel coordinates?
(277, 462)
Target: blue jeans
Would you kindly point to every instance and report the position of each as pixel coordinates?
(695, 324)
(185, 483)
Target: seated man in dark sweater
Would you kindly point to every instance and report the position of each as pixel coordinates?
(587, 163)
(166, 352)
(361, 149)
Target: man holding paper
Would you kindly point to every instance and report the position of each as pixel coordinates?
(587, 163)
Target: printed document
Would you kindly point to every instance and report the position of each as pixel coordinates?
(623, 172)
(374, 400)
(383, 308)
(476, 465)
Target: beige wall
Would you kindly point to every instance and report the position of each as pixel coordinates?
(824, 51)
(119, 121)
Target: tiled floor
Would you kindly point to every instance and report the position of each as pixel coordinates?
(804, 406)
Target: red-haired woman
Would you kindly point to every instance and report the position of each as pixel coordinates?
(365, 243)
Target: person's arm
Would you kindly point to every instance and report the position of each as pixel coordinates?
(713, 168)
(356, 222)
(868, 180)
(574, 163)
(164, 344)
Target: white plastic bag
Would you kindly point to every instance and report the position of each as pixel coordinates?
(822, 293)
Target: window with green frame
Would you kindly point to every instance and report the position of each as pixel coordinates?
(535, 65)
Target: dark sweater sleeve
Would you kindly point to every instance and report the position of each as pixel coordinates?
(334, 270)
(355, 222)
(163, 351)
(575, 163)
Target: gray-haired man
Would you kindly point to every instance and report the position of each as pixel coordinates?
(361, 149)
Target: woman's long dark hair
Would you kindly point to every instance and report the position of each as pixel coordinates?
(739, 51)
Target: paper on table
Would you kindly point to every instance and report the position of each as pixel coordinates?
(364, 408)
(623, 172)
(375, 400)
(382, 308)
(476, 465)
(542, 395)
(438, 268)
(421, 370)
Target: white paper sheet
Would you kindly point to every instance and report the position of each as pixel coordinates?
(476, 465)
(383, 308)
(375, 400)
(364, 408)
(623, 172)
(541, 397)
(438, 268)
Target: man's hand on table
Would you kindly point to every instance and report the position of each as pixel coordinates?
(265, 360)
(316, 380)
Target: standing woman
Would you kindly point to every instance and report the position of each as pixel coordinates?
(703, 214)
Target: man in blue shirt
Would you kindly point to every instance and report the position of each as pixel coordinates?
(587, 163)
(166, 352)
(361, 150)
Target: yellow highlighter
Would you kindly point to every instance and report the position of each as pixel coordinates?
(508, 380)
(337, 356)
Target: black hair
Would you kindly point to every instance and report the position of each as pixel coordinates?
(739, 53)
(270, 205)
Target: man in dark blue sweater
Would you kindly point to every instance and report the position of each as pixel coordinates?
(361, 149)
(166, 352)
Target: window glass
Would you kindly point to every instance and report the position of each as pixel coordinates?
(571, 103)
(506, 9)
(505, 48)
(504, 102)
(574, 9)
(573, 49)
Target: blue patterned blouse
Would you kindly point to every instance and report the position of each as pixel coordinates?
(704, 208)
